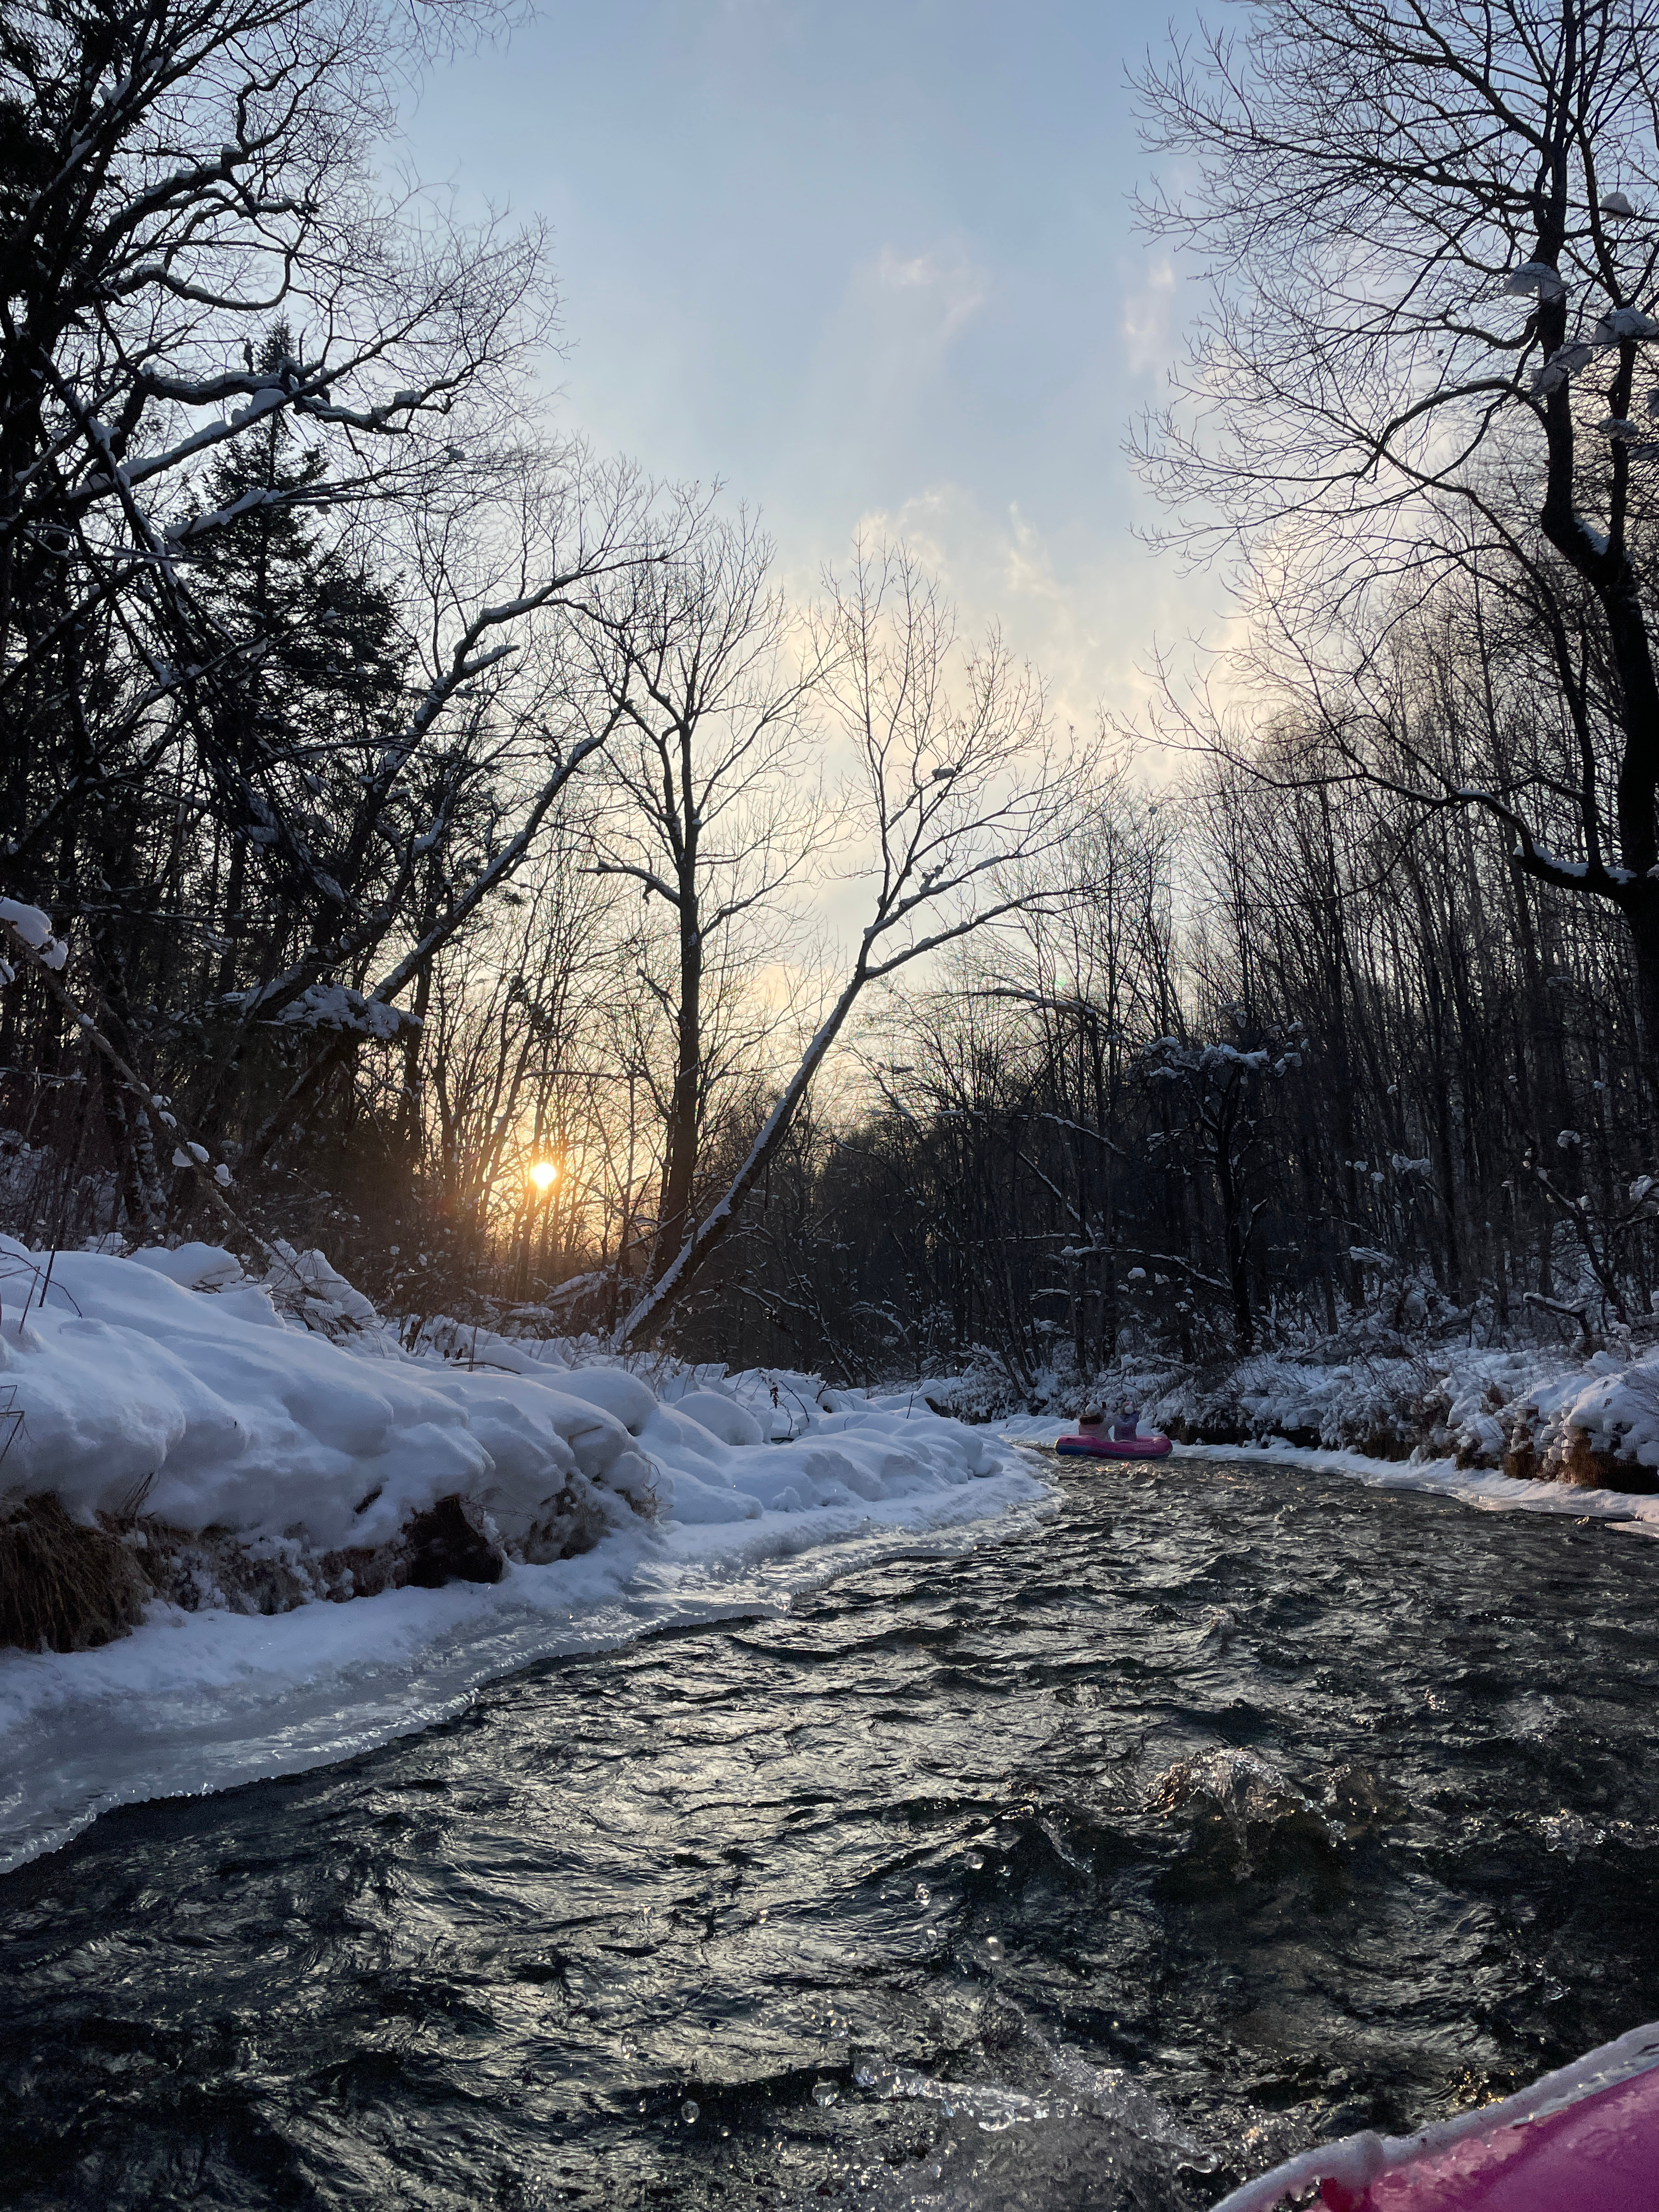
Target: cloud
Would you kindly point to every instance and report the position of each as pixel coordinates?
(1069, 618)
(890, 371)
(1148, 317)
(947, 282)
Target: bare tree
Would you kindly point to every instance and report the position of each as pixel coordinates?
(1432, 233)
(500, 1078)
(227, 349)
(197, 177)
(957, 786)
(446, 814)
(717, 800)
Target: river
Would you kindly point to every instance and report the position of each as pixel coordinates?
(1238, 1807)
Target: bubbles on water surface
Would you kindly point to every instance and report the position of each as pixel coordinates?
(825, 2092)
(1072, 2138)
(973, 1860)
(994, 1949)
(691, 2112)
(1570, 1832)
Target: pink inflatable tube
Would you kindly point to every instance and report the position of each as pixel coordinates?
(1099, 1445)
(1585, 2139)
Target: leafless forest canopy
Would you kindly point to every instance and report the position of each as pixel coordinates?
(423, 797)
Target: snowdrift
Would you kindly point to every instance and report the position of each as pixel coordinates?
(254, 1466)
(165, 1384)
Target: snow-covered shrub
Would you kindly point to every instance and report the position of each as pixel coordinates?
(304, 1285)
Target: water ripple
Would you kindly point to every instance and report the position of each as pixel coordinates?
(1236, 1807)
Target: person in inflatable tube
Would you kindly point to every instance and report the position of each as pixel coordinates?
(1121, 1440)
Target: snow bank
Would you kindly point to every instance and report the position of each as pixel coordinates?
(169, 1373)
(1530, 1414)
(1534, 1419)
(168, 1396)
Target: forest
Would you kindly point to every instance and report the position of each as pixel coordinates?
(463, 855)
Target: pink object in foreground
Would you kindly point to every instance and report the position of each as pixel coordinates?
(1585, 2139)
(1095, 1443)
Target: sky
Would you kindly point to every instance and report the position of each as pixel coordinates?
(868, 265)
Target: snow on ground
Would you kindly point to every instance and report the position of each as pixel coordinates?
(1537, 1409)
(166, 1392)
(166, 1385)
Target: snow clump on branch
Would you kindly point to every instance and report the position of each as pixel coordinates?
(34, 928)
(335, 1006)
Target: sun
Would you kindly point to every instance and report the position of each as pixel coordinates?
(544, 1175)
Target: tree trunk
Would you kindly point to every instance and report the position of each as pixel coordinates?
(1235, 1233)
(1643, 919)
(685, 1110)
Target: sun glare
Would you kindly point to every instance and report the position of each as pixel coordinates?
(544, 1175)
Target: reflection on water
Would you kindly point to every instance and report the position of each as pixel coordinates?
(1238, 1808)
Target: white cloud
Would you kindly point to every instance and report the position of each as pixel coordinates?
(947, 279)
(1088, 623)
(1148, 318)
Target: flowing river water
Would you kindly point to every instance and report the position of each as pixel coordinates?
(1236, 1807)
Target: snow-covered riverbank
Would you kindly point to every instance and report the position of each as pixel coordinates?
(1533, 1429)
(233, 1469)
(1533, 1426)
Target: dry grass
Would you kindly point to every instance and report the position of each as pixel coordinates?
(1589, 1469)
(63, 1588)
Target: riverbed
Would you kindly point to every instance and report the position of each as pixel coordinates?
(1236, 1807)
